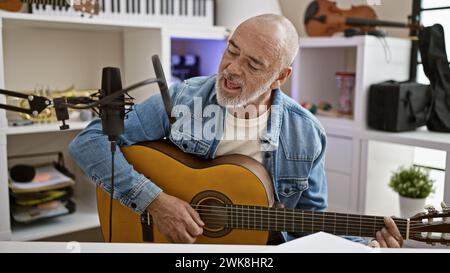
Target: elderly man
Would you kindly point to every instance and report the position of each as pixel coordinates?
(258, 121)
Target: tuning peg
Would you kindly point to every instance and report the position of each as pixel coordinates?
(444, 207)
(431, 209)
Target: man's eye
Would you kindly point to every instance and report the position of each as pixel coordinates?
(232, 53)
(252, 67)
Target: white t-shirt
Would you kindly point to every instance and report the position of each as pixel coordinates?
(242, 136)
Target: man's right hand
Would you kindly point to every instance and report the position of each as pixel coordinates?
(175, 219)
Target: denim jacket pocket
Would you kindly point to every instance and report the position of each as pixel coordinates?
(289, 186)
(188, 144)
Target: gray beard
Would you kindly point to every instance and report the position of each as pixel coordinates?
(244, 98)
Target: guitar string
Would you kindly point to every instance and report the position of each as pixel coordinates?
(364, 232)
(298, 211)
(327, 228)
(287, 219)
(282, 219)
(242, 211)
(270, 216)
(351, 229)
(251, 222)
(351, 223)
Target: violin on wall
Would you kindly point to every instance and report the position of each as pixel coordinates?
(324, 18)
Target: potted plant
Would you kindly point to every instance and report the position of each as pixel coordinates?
(413, 185)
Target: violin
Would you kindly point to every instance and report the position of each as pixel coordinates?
(324, 18)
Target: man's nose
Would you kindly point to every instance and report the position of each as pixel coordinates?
(234, 68)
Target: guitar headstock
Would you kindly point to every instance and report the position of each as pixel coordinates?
(432, 226)
(91, 7)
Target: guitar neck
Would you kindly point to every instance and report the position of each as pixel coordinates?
(298, 221)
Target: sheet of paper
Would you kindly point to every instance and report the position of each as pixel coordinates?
(319, 243)
(47, 177)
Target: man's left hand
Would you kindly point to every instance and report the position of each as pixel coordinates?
(389, 236)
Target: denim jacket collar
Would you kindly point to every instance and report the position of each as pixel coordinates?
(272, 134)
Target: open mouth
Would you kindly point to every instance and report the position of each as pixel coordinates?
(231, 86)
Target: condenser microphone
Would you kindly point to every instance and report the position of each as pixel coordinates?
(163, 88)
(112, 113)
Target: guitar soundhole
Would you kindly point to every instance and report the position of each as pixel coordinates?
(212, 215)
(211, 206)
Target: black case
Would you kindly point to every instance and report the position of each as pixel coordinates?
(398, 106)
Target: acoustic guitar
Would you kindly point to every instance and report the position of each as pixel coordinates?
(234, 196)
(86, 6)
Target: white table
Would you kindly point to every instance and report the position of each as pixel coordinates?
(76, 247)
(316, 243)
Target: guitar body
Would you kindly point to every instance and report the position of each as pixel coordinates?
(11, 5)
(233, 179)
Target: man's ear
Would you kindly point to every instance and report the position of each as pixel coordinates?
(282, 78)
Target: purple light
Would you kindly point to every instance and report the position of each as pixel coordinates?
(210, 52)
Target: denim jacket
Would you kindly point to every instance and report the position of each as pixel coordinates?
(294, 144)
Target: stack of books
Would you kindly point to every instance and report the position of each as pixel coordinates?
(47, 195)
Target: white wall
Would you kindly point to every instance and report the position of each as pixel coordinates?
(393, 10)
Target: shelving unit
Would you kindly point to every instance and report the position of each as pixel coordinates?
(320, 58)
(420, 138)
(56, 226)
(359, 160)
(36, 49)
(43, 128)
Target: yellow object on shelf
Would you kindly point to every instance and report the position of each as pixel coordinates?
(48, 115)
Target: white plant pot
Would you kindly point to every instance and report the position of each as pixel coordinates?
(410, 206)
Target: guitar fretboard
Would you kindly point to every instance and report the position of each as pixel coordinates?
(293, 220)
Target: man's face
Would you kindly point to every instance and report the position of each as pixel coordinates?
(249, 66)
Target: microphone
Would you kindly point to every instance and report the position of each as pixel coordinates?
(112, 113)
(114, 103)
(162, 84)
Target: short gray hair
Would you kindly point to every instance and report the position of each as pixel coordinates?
(287, 29)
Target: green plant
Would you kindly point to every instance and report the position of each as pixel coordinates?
(412, 182)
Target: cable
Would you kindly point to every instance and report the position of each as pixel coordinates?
(386, 48)
(108, 99)
(113, 151)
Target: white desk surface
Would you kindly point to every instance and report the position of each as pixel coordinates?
(61, 247)
(315, 243)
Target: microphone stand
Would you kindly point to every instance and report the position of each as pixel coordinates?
(38, 104)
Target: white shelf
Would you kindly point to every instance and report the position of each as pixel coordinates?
(324, 42)
(44, 128)
(56, 226)
(336, 122)
(419, 138)
(94, 23)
